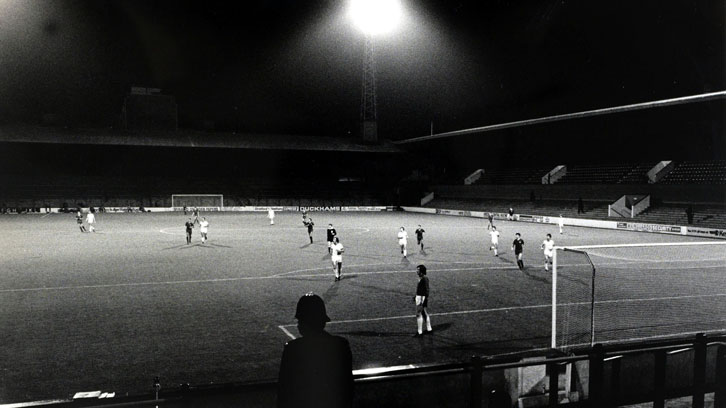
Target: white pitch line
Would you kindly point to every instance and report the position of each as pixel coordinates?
(181, 231)
(241, 278)
(483, 268)
(643, 245)
(278, 275)
(510, 308)
(292, 336)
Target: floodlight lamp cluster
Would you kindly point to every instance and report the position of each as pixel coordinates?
(374, 17)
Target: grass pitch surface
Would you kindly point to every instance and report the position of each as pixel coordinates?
(111, 310)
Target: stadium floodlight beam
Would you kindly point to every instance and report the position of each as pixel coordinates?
(372, 17)
(375, 17)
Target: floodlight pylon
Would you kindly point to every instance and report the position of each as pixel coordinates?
(369, 119)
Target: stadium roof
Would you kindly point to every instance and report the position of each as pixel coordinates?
(187, 138)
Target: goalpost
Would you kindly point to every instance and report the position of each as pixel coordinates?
(614, 293)
(206, 202)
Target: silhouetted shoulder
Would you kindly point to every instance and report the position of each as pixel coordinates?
(316, 371)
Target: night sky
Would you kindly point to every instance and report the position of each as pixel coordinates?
(295, 67)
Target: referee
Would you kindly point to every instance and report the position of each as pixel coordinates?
(518, 248)
(422, 302)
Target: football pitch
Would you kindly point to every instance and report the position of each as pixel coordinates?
(113, 309)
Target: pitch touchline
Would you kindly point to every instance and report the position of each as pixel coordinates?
(652, 244)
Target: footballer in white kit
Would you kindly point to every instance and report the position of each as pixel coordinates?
(271, 216)
(561, 223)
(495, 240)
(336, 251)
(548, 245)
(403, 240)
(204, 228)
(91, 220)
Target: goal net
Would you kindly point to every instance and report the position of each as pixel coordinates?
(205, 202)
(618, 293)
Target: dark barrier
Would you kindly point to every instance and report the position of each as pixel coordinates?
(600, 376)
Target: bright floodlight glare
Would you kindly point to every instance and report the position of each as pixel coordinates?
(375, 16)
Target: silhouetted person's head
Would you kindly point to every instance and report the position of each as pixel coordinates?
(310, 314)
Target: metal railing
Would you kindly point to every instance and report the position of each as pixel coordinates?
(595, 358)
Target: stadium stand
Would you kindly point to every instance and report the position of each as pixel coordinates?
(596, 210)
(514, 176)
(54, 191)
(697, 172)
(686, 172)
(709, 216)
(637, 175)
(596, 174)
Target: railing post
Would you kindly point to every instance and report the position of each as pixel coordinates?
(719, 400)
(554, 383)
(699, 370)
(597, 354)
(659, 379)
(614, 394)
(475, 386)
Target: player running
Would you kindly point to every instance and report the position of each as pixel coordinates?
(271, 215)
(419, 236)
(195, 214)
(189, 227)
(518, 248)
(204, 228)
(79, 221)
(495, 240)
(337, 257)
(403, 240)
(308, 222)
(548, 245)
(331, 234)
(91, 220)
(561, 223)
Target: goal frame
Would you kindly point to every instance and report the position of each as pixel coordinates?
(583, 250)
(554, 293)
(221, 198)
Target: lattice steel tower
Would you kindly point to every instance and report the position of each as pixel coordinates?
(369, 120)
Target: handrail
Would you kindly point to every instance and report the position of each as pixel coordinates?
(597, 356)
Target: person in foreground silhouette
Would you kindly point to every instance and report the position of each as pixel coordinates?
(316, 369)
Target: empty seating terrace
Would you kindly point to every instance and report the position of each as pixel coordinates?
(697, 172)
(514, 176)
(597, 174)
(637, 175)
(593, 209)
(685, 172)
(708, 216)
(694, 184)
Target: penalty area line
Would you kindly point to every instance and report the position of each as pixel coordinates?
(287, 332)
(525, 307)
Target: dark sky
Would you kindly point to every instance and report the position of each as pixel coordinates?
(290, 66)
